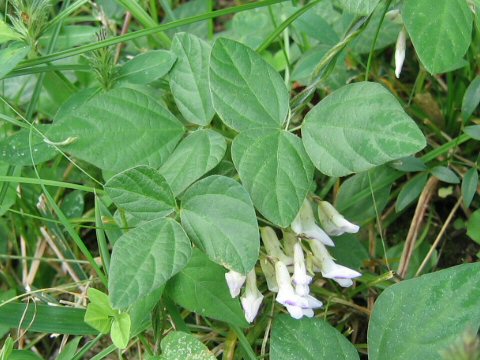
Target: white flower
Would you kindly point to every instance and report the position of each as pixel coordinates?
(330, 270)
(235, 282)
(333, 222)
(305, 224)
(300, 277)
(272, 245)
(252, 298)
(400, 51)
(298, 306)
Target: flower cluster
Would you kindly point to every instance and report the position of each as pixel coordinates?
(285, 268)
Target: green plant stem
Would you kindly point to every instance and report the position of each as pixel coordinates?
(142, 16)
(168, 9)
(87, 347)
(101, 240)
(242, 339)
(47, 68)
(144, 32)
(372, 49)
(321, 69)
(69, 10)
(266, 43)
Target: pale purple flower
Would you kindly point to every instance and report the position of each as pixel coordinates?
(252, 298)
(304, 224)
(298, 306)
(333, 222)
(300, 278)
(235, 282)
(330, 270)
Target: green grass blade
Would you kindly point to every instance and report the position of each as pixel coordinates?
(45, 318)
(145, 32)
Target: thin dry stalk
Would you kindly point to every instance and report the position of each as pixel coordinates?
(417, 222)
(439, 236)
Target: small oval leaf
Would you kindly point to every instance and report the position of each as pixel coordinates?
(146, 67)
(469, 186)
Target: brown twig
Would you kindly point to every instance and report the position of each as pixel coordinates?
(439, 236)
(125, 26)
(417, 222)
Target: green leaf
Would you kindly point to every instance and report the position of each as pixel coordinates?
(417, 318)
(7, 33)
(358, 127)
(247, 92)
(469, 186)
(10, 188)
(445, 174)
(11, 56)
(6, 348)
(473, 131)
(144, 258)
(15, 149)
(45, 318)
(141, 310)
(219, 217)
(359, 7)
(471, 98)
(70, 349)
(146, 67)
(120, 332)
(197, 154)
(141, 131)
(188, 9)
(349, 251)
(24, 355)
(182, 346)
(201, 287)
(73, 204)
(409, 164)
(189, 78)
(410, 191)
(360, 210)
(276, 171)
(307, 63)
(99, 311)
(142, 192)
(441, 32)
(473, 226)
(308, 339)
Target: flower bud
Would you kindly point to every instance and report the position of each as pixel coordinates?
(333, 222)
(400, 51)
(272, 245)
